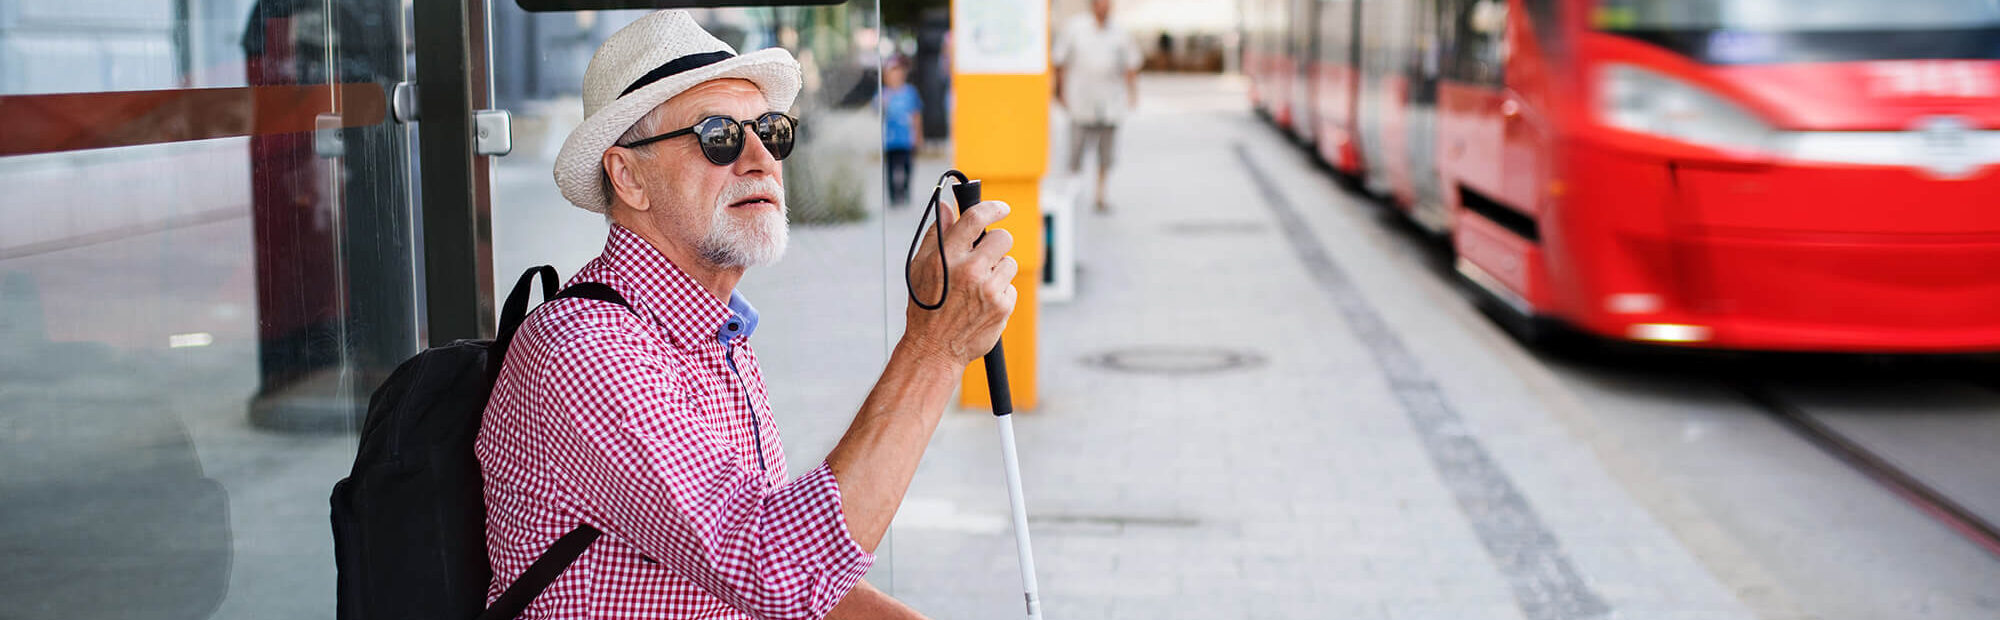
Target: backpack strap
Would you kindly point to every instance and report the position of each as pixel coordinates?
(540, 574)
(593, 290)
(571, 546)
(515, 310)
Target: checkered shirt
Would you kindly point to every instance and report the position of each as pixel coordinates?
(646, 424)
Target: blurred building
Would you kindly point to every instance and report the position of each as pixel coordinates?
(1200, 35)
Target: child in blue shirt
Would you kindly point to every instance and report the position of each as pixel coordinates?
(902, 128)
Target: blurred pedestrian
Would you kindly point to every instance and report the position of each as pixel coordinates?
(1097, 81)
(902, 128)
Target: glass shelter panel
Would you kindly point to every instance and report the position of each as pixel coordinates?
(208, 264)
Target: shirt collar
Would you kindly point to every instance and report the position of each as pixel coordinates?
(668, 295)
(742, 319)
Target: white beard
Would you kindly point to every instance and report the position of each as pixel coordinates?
(734, 241)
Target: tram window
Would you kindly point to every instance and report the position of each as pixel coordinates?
(1477, 41)
(1336, 18)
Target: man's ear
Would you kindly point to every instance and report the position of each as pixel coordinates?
(620, 165)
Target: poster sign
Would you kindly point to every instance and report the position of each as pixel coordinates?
(1000, 36)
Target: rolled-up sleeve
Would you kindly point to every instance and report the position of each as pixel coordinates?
(650, 471)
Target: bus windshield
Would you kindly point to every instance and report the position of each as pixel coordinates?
(1775, 31)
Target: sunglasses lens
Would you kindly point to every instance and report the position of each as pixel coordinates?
(721, 139)
(778, 132)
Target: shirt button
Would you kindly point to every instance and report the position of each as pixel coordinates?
(734, 327)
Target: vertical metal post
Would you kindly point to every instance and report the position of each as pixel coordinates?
(479, 27)
(453, 246)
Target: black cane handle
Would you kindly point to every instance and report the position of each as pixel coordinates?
(967, 194)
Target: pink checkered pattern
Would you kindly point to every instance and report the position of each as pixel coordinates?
(638, 426)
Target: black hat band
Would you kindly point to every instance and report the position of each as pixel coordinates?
(686, 63)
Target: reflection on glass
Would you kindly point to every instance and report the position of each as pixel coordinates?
(208, 259)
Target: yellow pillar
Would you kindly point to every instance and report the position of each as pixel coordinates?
(1000, 129)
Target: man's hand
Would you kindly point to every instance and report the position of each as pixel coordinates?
(1132, 89)
(982, 294)
(1056, 79)
(876, 458)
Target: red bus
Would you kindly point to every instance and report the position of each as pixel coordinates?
(1739, 174)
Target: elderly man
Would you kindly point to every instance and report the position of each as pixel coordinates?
(651, 424)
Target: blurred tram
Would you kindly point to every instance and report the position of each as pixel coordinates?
(1268, 58)
(1812, 175)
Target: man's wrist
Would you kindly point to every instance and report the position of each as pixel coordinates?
(927, 353)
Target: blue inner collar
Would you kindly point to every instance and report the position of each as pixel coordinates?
(742, 319)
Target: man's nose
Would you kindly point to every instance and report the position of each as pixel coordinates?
(755, 158)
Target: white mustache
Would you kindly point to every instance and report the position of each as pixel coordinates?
(745, 189)
(760, 239)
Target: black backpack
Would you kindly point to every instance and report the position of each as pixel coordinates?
(409, 523)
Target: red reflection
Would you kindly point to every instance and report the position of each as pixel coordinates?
(77, 121)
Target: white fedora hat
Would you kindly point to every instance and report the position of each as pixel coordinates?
(643, 65)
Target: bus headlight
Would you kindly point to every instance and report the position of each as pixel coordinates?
(1636, 99)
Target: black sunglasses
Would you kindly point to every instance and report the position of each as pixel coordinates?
(722, 137)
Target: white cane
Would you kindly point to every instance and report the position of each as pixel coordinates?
(967, 193)
(1020, 507)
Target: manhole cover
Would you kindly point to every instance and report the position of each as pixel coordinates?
(1175, 360)
(1216, 227)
